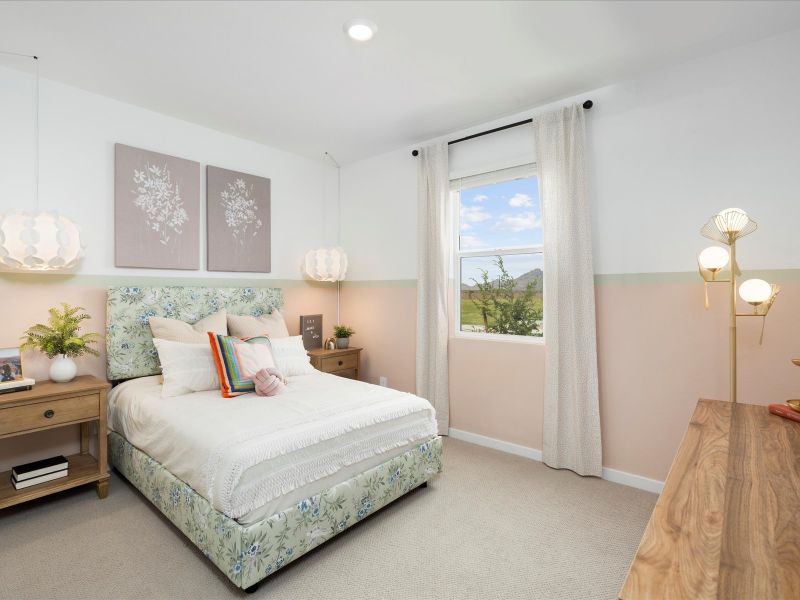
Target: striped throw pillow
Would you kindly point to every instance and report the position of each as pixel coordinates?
(238, 360)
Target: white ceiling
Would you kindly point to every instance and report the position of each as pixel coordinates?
(284, 74)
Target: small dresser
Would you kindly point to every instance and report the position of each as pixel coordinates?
(47, 406)
(345, 362)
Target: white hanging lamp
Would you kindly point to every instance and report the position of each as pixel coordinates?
(330, 264)
(38, 240)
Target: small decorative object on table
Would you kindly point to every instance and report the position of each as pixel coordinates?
(342, 334)
(11, 377)
(59, 339)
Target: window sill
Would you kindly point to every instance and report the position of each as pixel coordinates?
(499, 337)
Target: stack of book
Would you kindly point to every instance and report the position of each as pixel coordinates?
(17, 385)
(39, 472)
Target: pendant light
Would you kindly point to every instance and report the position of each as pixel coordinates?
(38, 240)
(330, 264)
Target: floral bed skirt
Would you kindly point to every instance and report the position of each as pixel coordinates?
(249, 554)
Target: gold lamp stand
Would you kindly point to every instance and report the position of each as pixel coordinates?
(727, 227)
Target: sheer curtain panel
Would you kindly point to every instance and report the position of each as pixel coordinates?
(571, 400)
(433, 251)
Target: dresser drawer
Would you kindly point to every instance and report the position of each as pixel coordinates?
(48, 413)
(338, 363)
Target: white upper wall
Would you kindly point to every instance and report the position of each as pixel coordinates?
(78, 133)
(665, 152)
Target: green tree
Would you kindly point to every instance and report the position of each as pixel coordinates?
(503, 308)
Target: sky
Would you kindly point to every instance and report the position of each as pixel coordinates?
(506, 214)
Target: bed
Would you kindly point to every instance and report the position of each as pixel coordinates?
(256, 482)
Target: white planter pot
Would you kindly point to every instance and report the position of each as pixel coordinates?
(63, 369)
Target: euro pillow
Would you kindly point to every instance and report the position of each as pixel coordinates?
(290, 356)
(238, 361)
(175, 330)
(185, 368)
(246, 326)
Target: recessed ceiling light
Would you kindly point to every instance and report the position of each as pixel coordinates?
(361, 30)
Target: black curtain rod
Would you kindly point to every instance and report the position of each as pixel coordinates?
(587, 105)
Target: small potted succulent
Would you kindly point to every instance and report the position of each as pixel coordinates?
(342, 334)
(59, 339)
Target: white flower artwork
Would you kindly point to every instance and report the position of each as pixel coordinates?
(160, 200)
(238, 221)
(156, 210)
(241, 210)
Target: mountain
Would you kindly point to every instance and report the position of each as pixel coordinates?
(520, 283)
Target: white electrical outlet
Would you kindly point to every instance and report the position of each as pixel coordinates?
(384, 382)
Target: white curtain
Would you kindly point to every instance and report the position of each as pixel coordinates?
(433, 251)
(571, 404)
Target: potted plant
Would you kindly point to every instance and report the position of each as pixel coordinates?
(59, 339)
(342, 334)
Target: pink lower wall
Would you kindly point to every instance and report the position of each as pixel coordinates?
(658, 352)
(26, 303)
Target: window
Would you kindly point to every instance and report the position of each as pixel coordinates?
(498, 255)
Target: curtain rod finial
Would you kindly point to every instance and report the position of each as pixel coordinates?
(415, 153)
(588, 104)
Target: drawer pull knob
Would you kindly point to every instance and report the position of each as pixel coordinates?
(341, 363)
(48, 414)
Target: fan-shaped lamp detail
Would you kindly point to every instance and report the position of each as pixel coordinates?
(326, 264)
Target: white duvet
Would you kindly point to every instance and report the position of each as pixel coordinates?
(252, 456)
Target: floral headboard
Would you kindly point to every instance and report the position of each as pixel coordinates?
(129, 344)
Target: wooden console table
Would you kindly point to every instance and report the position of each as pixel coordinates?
(727, 524)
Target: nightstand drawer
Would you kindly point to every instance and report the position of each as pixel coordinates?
(338, 363)
(48, 413)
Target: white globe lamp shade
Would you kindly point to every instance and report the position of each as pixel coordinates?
(713, 258)
(755, 291)
(731, 220)
(326, 264)
(39, 241)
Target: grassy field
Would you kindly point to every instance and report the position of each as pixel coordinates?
(471, 316)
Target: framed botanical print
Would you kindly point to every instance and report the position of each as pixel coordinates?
(156, 210)
(238, 221)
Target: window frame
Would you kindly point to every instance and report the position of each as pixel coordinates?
(456, 186)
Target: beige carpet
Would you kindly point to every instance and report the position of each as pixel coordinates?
(491, 526)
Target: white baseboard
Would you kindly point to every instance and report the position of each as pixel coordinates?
(629, 479)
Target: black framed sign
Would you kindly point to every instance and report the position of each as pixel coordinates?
(311, 330)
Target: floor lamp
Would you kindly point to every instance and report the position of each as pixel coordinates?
(727, 227)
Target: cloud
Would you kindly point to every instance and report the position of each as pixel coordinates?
(516, 223)
(465, 226)
(520, 200)
(474, 214)
(470, 241)
(480, 198)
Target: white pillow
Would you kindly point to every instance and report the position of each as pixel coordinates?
(290, 356)
(271, 325)
(186, 368)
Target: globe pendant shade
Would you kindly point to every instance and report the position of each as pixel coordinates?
(713, 258)
(755, 291)
(326, 264)
(39, 241)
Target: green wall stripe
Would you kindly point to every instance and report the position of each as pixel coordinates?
(772, 275)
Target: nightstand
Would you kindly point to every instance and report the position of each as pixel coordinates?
(344, 362)
(47, 406)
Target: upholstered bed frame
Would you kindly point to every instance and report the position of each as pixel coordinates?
(246, 554)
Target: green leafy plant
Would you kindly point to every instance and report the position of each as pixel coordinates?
(60, 335)
(505, 309)
(343, 331)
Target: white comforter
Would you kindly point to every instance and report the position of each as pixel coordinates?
(243, 453)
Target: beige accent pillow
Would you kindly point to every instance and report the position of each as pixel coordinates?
(245, 326)
(174, 330)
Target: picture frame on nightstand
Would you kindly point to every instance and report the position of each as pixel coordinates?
(11, 376)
